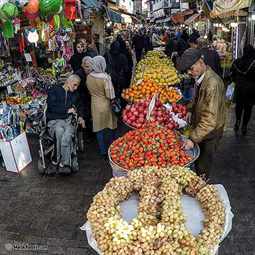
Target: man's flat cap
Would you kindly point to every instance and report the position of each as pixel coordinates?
(189, 58)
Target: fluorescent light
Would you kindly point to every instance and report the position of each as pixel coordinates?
(253, 16)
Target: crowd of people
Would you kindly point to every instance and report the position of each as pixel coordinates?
(97, 82)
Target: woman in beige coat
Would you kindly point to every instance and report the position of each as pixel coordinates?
(102, 92)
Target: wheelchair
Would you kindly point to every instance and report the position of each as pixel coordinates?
(47, 147)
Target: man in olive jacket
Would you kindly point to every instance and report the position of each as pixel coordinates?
(208, 109)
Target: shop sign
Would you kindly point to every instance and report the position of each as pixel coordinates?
(222, 6)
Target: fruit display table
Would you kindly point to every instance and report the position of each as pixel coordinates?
(194, 210)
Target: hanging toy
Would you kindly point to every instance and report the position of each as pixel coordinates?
(50, 7)
(32, 36)
(31, 10)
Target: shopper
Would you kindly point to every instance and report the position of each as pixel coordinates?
(85, 95)
(61, 103)
(208, 111)
(102, 92)
(77, 57)
(138, 45)
(243, 73)
(117, 68)
(210, 55)
(89, 50)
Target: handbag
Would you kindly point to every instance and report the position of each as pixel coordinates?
(116, 105)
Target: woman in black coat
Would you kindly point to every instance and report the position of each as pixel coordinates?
(77, 57)
(117, 67)
(243, 72)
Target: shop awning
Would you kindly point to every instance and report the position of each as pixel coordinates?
(191, 19)
(222, 6)
(89, 4)
(114, 16)
(179, 17)
(127, 18)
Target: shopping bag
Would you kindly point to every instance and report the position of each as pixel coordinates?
(230, 92)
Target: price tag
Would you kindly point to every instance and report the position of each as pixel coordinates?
(9, 90)
(28, 57)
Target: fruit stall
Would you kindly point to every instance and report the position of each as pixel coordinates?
(155, 204)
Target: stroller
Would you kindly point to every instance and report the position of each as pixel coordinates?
(47, 146)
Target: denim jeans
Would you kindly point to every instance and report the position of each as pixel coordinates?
(105, 138)
(64, 131)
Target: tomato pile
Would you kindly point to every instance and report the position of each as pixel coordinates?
(135, 115)
(149, 146)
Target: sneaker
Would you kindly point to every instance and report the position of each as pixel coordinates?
(64, 170)
(54, 162)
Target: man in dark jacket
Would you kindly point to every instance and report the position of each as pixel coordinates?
(138, 45)
(210, 55)
(62, 102)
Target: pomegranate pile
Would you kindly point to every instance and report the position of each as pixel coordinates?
(135, 115)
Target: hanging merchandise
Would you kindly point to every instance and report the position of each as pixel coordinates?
(22, 3)
(16, 24)
(44, 31)
(2, 14)
(32, 36)
(70, 9)
(49, 7)
(65, 22)
(21, 43)
(56, 19)
(8, 29)
(31, 10)
(10, 10)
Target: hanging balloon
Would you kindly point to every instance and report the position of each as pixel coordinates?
(31, 10)
(8, 29)
(10, 10)
(2, 15)
(49, 7)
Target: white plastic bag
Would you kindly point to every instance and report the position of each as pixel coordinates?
(230, 91)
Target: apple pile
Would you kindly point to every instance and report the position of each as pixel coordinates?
(135, 115)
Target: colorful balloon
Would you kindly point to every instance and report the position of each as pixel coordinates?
(50, 7)
(10, 10)
(31, 10)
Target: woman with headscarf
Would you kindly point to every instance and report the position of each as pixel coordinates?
(243, 72)
(84, 94)
(102, 92)
(117, 68)
(77, 57)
